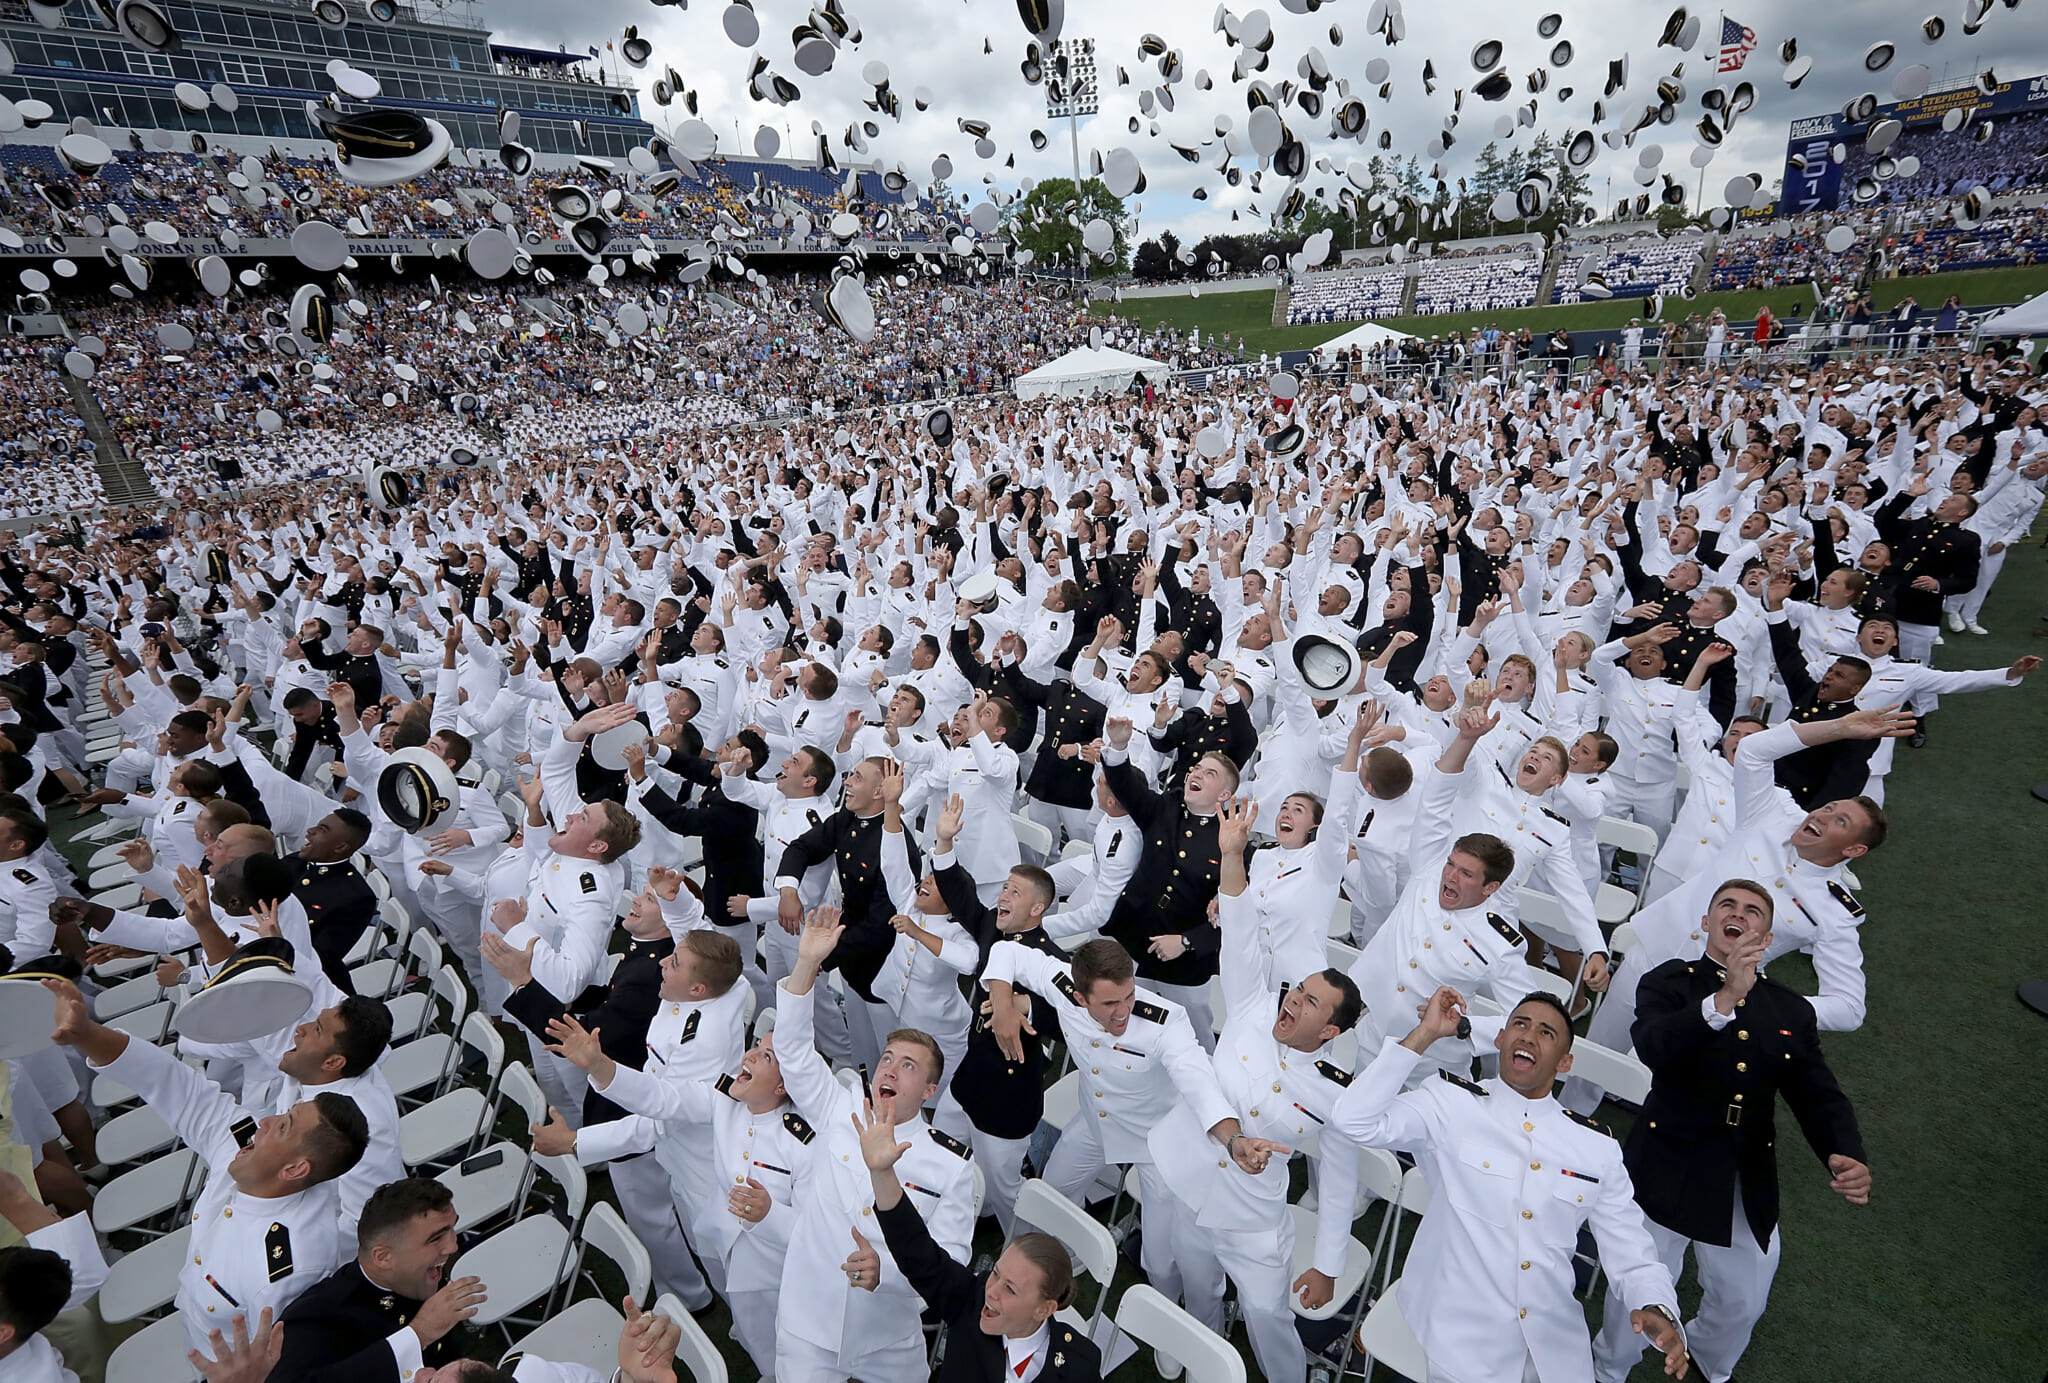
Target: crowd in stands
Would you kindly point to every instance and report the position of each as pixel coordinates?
(1477, 283)
(1787, 252)
(179, 189)
(1347, 295)
(45, 454)
(1952, 162)
(1633, 269)
(1927, 240)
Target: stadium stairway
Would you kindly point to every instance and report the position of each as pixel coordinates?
(1553, 261)
(124, 480)
(1281, 296)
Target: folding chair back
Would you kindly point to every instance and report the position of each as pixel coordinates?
(1149, 1317)
(699, 1356)
(1086, 1237)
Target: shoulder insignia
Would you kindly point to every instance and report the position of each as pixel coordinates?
(798, 1129)
(951, 1144)
(1150, 1012)
(1561, 820)
(1588, 1121)
(27, 876)
(1064, 983)
(1473, 1086)
(690, 1026)
(811, 815)
(1592, 778)
(724, 1086)
(1116, 838)
(589, 882)
(1846, 899)
(1335, 1073)
(244, 1130)
(1505, 928)
(277, 1252)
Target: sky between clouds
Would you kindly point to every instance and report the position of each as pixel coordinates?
(938, 44)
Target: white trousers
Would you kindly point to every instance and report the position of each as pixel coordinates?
(800, 1361)
(1971, 603)
(1001, 1160)
(753, 1325)
(778, 947)
(1259, 1262)
(1735, 1286)
(1654, 804)
(1065, 823)
(651, 1208)
(1072, 1169)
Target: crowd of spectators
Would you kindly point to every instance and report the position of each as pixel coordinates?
(1347, 295)
(493, 368)
(1477, 283)
(1633, 269)
(1794, 251)
(1952, 162)
(192, 193)
(44, 449)
(1926, 241)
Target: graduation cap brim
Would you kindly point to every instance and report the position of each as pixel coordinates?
(1327, 667)
(27, 1019)
(386, 146)
(255, 995)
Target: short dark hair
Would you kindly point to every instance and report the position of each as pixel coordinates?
(396, 1204)
(1388, 773)
(1749, 886)
(821, 766)
(298, 698)
(201, 778)
(355, 823)
(34, 1285)
(916, 1037)
(336, 1144)
(27, 825)
(1101, 960)
(1493, 854)
(193, 722)
(365, 1032)
(756, 747)
(458, 744)
(1549, 1000)
(1041, 882)
(1350, 1003)
(1879, 827)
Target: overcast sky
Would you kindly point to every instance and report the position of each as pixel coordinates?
(939, 44)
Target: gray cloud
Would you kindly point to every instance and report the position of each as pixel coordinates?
(938, 44)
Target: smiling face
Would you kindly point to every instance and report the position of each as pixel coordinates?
(905, 1078)
(313, 1042)
(578, 837)
(413, 1258)
(1019, 907)
(1109, 1003)
(1207, 783)
(1833, 832)
(1734, 913)
(1296, 821)
(1535, 1048)
(274, 1152)
(1540, 770)
(759, 1081)
(1013, 1301)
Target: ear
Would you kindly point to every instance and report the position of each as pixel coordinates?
(298, 1169)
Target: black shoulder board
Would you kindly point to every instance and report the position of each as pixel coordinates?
(1587, 1120)
(1335, 1073)
(27, 876)
(811, 815)
(798, 1129)
(1151, 1013)
(1505, 928)
(1116, 838)
(277, 1250)
(951, 1144)
(589, 882)
(720, 661)
(1846, 899)
(690, 1025)
(1561, 820)
(1455, 1079)
(724, 1085)
(1064, 983)
(244, 1131)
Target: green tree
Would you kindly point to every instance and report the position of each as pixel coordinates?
(1048, 222)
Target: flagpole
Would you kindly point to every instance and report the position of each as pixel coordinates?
(1714, 57)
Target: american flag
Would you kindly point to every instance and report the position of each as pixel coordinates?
(1737, 42)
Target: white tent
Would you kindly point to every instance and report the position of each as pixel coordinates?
(2030, 318)
(1087, 369)
(1365, 336)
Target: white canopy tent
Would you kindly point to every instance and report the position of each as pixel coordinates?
(1365, 336)
(2030, 318)
(1087, 370)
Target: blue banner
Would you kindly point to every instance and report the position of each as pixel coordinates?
(1818, 187)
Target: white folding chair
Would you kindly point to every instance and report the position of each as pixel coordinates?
(1639, 840)
(133, 1136)
(154, 1189)
(1620, 1074)
(127, 997)
(700, 1357)
(413, 1013)
(1031, 835)
(1384, 1335)
(121, 897)
(411, 1009)
(155, 1354)
(492, 1184)
(1357, 1264)
(448, 1125)
(525, 1262)
(1148, 1317)
(146, 1280)
(587, 1331)
(149, 1024)
(1085, 1237)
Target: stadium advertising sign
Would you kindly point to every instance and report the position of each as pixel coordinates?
(1818, 186)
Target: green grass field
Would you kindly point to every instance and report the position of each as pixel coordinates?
(1940, 1277)
(1251, 314)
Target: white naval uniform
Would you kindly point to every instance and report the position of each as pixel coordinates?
(1294, 891)
(845, 1331)
(983, 772)
(381, 1163)
(1641, 716)
(1487, 1287)
(1218, 1219)
(1813, 910)
(26, 894)
(1708, 812)
(246, 1252)
(1422, 946)
(1129, 1082)
(768, 1149)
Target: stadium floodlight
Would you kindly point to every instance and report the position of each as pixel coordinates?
(1071, 90)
